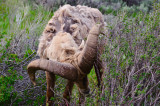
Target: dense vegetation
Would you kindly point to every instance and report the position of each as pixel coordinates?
(132, 54)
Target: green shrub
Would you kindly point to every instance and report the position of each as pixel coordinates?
(132, 58)
(21, 24)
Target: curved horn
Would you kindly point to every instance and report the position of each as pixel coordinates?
(64, 70)
(89, 52)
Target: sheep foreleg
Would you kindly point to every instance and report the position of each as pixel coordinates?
(68, 90)
(50, 77)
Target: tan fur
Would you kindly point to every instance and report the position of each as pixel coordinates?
(63, 47)
(64, 38)
(75, 20)
(75, 65)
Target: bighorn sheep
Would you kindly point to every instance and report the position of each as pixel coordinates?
(68, 48)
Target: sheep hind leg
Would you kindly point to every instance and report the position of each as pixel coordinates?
(81, 98)
(99, 69)
(50, 77)
(68, 91)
